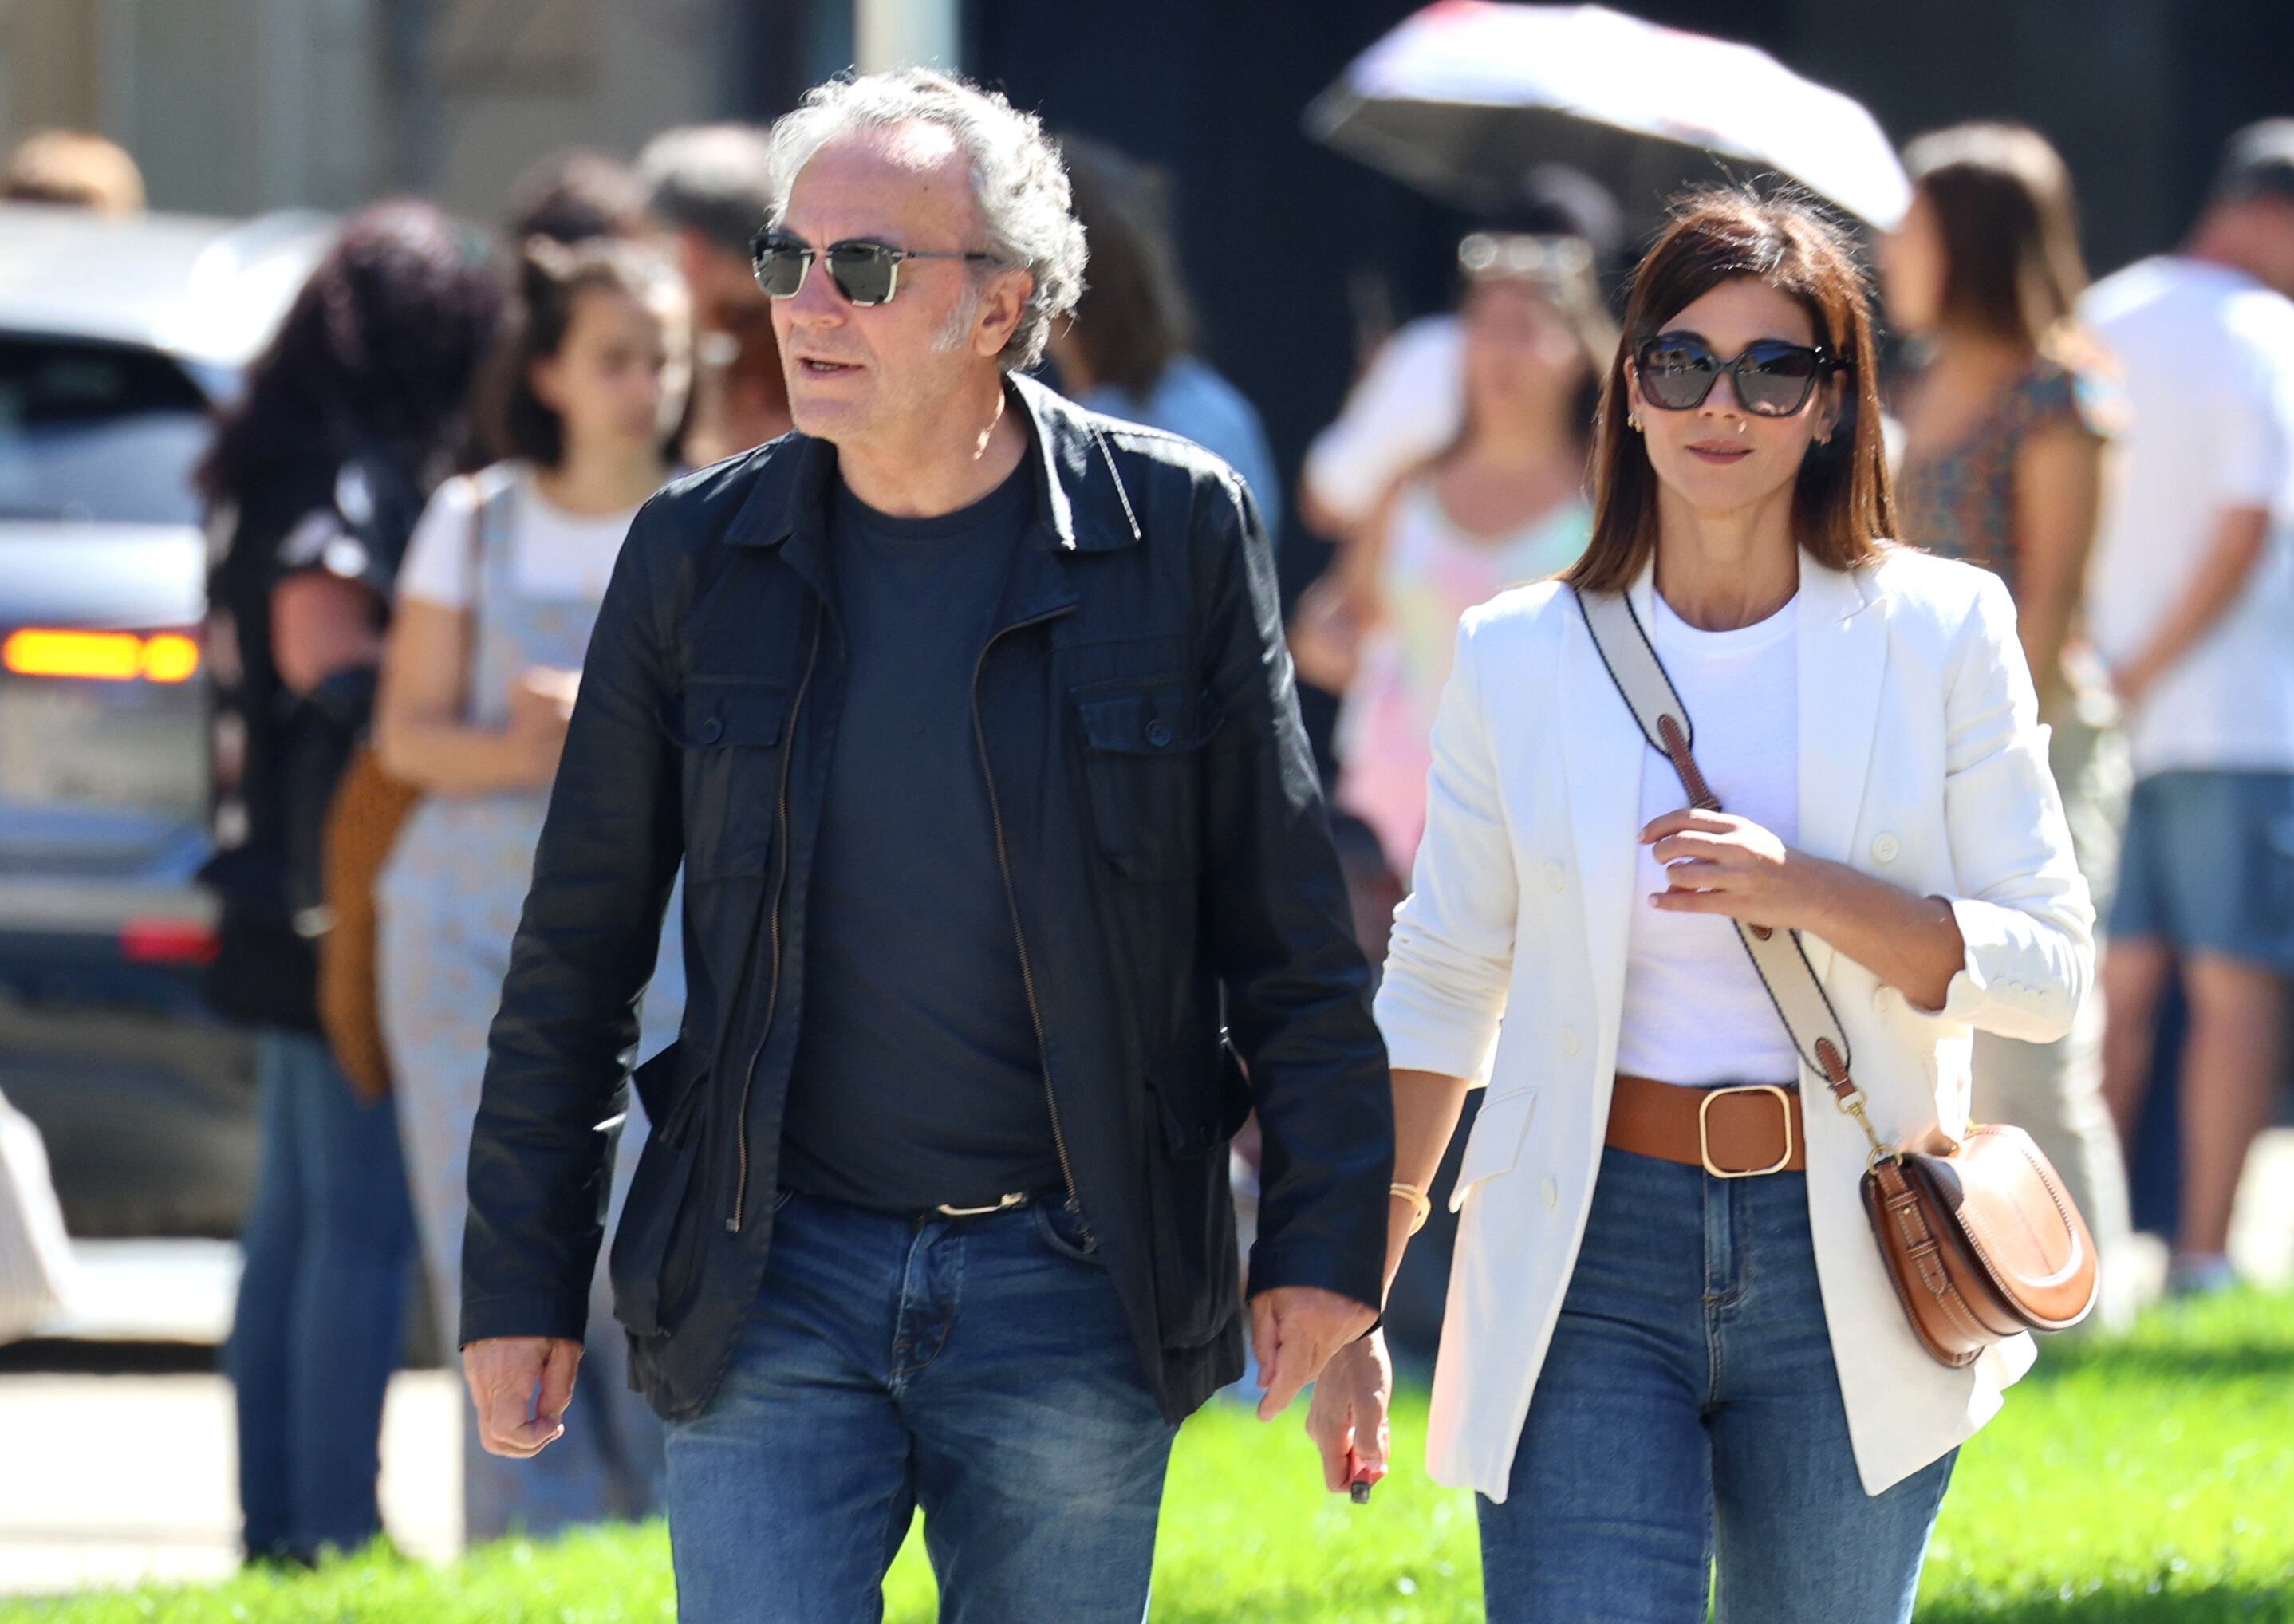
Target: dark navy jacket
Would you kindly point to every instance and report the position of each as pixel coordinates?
(1182, 923)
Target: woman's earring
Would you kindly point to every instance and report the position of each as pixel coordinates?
(1632, 423)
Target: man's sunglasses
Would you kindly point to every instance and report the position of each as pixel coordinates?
(864, 272)
(1770, 378)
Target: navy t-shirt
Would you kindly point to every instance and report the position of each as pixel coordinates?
(918, 1077)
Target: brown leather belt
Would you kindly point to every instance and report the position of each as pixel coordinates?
(1736, 1133)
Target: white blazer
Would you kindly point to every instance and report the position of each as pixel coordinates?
(1922, 760)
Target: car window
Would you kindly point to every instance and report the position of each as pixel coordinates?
(95, 432)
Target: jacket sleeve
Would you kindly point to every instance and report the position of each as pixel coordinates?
(558, 1055)
(1451, 959)
(2022, 908)
(1281, 934)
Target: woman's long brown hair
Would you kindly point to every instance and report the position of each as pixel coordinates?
(1843, 512)
(2001, 199)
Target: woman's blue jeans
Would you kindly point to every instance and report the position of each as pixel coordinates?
(322, 1304)
(1688, 1426)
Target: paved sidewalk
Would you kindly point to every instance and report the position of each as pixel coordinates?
(115, 1480)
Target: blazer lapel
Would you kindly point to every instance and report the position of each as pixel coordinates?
(1842, 637)
(1601, 750)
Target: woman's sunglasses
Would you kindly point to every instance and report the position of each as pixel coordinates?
(1770, 378)
(864, 272)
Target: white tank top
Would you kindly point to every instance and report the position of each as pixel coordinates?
(1695, 1010)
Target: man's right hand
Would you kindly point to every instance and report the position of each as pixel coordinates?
(521, 1386)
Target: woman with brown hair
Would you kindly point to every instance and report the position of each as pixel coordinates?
(1674, 1358)
(1502, 504)
(502, 583)
(2006, 425)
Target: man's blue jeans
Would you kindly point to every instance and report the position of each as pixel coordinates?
(1687, 1425)
(979, 1367)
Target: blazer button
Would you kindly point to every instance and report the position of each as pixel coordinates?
(1568, 1040)
(1885, 848)
(711, 731)
(1885, 999)
(1556, 879)
(1158, 734)
(1552, 1196)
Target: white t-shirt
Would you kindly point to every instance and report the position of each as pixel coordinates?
(1696, 1012)
(554, 554)
(2208, 356)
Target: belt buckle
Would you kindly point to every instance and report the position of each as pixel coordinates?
(1705, 1137)
(1018, 1197)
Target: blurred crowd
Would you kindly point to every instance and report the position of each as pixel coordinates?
(417, 502)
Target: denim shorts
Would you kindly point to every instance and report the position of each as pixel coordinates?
(2207, 865)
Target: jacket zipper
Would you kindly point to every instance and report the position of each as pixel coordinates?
(773, 996)
(1012, 899)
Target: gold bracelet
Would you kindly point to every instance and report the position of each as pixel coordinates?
(1421, 1205)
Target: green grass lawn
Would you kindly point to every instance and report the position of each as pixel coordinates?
(2148, 1480)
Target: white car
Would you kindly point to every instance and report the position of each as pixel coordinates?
(117, 338)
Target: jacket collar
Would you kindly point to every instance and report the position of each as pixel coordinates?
(1081, 503)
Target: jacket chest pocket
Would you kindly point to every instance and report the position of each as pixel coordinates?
(735, 738)
(1142, 760)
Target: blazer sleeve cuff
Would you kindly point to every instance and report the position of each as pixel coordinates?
(1424, 1036)
(525, 1314)
(2004, 984)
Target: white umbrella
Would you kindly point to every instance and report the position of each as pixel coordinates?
(1463, 98)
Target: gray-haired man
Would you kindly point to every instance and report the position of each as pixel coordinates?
(969, 714)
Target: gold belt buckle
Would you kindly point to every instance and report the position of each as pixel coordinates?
(1705, 1136)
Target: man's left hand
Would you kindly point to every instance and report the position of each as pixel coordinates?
(1294, 1330)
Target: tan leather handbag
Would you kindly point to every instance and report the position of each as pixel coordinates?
(1980, 1240)
(363, 821)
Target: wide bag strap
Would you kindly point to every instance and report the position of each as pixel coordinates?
(1782, 962)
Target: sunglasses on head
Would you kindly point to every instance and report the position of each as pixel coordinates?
(1770, 378)
(865, 272)
(1529, 256)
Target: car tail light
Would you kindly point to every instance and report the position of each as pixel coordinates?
(167, 941)
(101, 656)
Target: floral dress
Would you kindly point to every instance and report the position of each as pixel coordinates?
(1959, 500)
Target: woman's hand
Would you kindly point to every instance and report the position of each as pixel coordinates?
(1326, 635)
(1347, 1419)
(1723, 863)
(1719, 863)
(541, 705)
